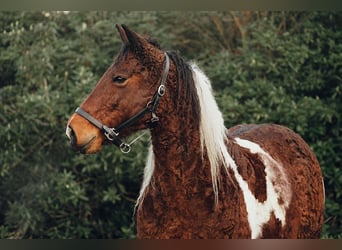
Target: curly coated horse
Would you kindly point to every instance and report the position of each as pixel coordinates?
(201, 180)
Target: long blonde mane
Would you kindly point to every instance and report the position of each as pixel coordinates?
(212, 135)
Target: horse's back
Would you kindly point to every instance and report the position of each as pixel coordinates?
(297, 177)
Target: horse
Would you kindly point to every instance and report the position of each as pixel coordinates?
(201, 180)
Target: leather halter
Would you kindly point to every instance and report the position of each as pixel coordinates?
(112, 134)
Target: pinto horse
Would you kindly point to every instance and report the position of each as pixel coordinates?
(201, 180)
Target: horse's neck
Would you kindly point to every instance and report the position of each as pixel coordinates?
(177, 153)
(176, 140)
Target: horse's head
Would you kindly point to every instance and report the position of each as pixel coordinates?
(129, 88)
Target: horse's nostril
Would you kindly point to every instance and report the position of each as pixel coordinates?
(71, 135)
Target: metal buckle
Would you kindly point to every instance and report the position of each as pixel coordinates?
(154, 118)
(153, 121)
(110, 133)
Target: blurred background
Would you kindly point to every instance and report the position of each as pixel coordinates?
(277, 67)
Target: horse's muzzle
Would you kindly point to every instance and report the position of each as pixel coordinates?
(83, 146)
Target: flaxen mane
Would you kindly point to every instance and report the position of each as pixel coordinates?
(211, 126)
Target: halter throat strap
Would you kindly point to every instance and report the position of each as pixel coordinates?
(112, 134)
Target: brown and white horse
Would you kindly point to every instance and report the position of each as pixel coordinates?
(200, 180)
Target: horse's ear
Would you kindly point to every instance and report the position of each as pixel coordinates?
(134, 39)
(142, 47)
(122, 33)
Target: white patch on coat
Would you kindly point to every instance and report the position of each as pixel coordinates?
(277, 189)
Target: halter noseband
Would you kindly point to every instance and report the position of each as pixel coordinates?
(112, 134)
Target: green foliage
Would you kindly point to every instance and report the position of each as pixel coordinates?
(280, 67)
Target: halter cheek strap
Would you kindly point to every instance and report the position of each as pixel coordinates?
(112, 134)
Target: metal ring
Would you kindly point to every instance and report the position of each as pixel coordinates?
(161, 90)
(125, 148)
(149, 106)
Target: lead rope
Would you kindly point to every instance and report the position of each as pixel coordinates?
(126, 147)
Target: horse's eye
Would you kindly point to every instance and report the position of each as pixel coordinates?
(119, 79)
